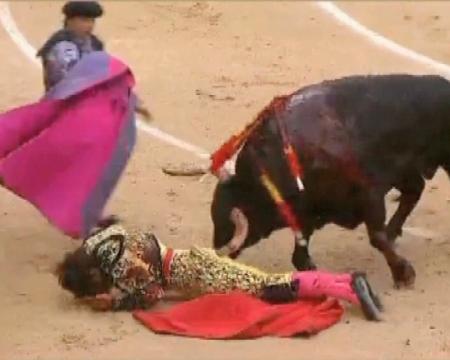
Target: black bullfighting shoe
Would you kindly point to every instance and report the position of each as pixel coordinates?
(370, 302)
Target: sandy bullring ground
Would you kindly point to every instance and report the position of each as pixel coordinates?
(205, 69)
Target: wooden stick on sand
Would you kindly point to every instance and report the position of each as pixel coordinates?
(185, 170)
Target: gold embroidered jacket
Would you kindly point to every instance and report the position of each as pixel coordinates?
(141, 268)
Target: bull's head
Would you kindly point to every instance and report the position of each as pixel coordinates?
(238, 216)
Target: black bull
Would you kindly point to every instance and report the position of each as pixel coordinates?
(357, 138)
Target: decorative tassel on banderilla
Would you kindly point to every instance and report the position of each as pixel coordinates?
(284, 208)
(229, 148)
(232, 146)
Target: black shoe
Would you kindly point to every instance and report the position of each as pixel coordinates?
(374, 296)
(103, 224)
(108, 221)
(370, 303)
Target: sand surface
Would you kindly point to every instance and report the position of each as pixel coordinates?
(205, 69)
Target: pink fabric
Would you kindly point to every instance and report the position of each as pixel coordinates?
(45, 147)
(28, 121)
(116, 66)
(317, 284)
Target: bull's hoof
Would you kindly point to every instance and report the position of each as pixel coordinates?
(404, 274)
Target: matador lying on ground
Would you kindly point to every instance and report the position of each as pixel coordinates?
(119, 270)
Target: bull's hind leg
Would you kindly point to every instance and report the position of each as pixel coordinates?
(374, 216)
(411, 190)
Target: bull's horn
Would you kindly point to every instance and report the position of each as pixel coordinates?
(240, 222)
(223, 251)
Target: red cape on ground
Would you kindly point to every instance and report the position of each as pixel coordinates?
(241, 316)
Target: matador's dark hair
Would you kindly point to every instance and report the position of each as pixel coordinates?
(89, 9)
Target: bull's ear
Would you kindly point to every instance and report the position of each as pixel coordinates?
(226, 172)
(227, 180)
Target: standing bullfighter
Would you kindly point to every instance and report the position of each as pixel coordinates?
(74, 144)
(67, 46)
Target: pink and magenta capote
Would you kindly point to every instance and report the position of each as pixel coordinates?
(66, 153)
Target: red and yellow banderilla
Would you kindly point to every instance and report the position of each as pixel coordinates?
(283, 206)
(230, 147)
(233, 144)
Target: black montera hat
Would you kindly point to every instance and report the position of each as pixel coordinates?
(90, 9)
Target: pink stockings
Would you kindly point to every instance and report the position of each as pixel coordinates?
(316, 284)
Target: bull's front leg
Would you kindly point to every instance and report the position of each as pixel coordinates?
(375, 214)
(301, 258)
(411, 190)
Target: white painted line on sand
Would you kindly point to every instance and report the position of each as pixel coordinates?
(10, 26)
(380, 40)
(420, 232)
